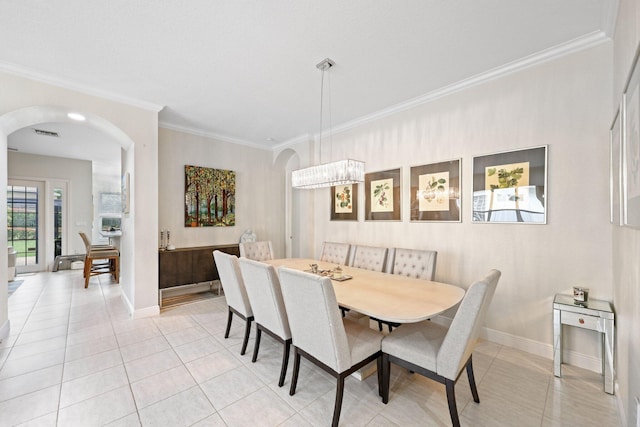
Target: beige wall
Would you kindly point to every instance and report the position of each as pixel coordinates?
(626, 241)
(136, 128)
(563, 104)
(259, 190)
(77, 173)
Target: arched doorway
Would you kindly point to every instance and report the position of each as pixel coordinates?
(18, 119)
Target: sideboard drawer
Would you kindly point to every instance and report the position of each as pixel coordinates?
(582, 321)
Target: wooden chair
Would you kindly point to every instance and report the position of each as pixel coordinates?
(107, 257)
(265, 296)
(438, 352)
(338, 346)
(235, 293)
(257, 251)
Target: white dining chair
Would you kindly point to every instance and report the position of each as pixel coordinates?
(370, 257)
(235, 293)
(414, 263)
(335, 253)
(321, 335)
(438, 352)
(265, 296)
(257, 251)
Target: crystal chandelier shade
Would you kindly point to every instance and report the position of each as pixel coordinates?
(329, 174)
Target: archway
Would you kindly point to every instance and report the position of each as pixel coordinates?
(28, 116)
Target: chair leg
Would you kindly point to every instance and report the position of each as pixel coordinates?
(451, 398)
(296, 369)
(472, 381)
(338, 405)
(379, 369)
(285, 362)
(87, 269)
(390, 327)
(386, 374)
(380, 326)
(229, 318)
(247, 332)
(116, 271)
(256, 345)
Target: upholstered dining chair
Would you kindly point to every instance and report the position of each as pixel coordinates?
(107, 257)
(235, 293)
(370, 258)
(335, 253)
(438, 352)
(257, 251)
(338, 346)
(415, 263)
(265, 296)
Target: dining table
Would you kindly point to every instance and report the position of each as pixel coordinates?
(389, 297)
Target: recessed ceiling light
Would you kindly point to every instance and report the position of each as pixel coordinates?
(76, 116)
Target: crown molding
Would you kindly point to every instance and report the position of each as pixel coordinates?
(581, 43)
(294, 141)
(210, 135)
(87, 90)
(609, 17)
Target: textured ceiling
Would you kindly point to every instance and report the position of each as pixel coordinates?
(245, 70)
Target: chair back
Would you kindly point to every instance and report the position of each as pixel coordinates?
(257, 251)
(232, 283)
(370, 258)
(335, 253)
(265, 296)
(314, 318)
(415, 263)
(85, 239)
(458, 345)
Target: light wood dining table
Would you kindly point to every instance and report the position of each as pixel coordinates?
(389, 297)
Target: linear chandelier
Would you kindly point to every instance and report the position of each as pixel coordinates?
(339, 172)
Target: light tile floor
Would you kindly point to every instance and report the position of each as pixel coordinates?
(76, 358)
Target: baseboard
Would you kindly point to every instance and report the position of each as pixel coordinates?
(538, 348)
(154, 310)
(5, 329)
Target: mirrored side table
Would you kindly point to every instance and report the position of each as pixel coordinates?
(595, 315)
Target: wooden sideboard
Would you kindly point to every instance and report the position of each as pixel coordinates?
(186, 266)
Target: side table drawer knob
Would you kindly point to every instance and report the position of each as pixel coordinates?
(581, 320)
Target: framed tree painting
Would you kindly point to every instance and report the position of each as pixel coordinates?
(511, 187)
(382, 194)
(209, 197)
(344, 202)
(435, 192)
(631, 149)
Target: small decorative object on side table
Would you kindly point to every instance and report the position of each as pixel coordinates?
(593, 314)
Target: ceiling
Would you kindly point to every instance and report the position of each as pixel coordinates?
(244, 71)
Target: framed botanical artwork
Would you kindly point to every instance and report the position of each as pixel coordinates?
(209, 197)
(631, 148)
(344, 202)
(382, 196)
(615, 170)
(511, 187)
(435, 192)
